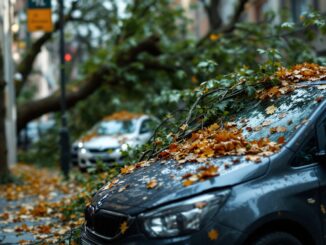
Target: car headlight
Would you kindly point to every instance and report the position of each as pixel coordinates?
(183, 217)
(80, 145)
(124, 147)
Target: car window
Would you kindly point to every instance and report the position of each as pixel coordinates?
(115, 127)
(306, 154)
(280, 117)
(146, 126)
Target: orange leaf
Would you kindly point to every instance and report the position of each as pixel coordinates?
(152, 184)
(173, 147)
(214, 37)
(187, 183)
(123, 227)
(127, 169)
(44, 229)
(213, 234)
(281, 140)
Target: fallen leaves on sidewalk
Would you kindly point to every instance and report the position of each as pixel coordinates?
(40, 202)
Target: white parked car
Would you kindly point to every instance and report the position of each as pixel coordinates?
(106, 141)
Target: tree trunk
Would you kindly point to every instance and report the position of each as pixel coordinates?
(213, 15)
(4, 170)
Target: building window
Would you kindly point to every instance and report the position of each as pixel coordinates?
(297, 8)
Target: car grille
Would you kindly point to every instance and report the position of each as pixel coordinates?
(106, 223)
(108, 161)
(100, 150)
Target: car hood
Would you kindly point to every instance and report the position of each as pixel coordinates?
(107, 141)
(130, 194)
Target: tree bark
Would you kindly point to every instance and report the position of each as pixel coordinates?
(214, 17)
(4, 170)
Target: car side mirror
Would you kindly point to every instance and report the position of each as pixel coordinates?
(321, 156)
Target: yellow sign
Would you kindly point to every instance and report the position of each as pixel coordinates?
(39, 20)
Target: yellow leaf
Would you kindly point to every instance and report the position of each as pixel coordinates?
(184, 127)
(214, 37)
(270, 110)
(152, 184)
(123, 227)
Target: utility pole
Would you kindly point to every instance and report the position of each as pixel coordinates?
(10, 102)
(64, 134)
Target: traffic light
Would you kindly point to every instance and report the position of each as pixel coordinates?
(68, 57)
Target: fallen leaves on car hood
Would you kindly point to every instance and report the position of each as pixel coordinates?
(122, 115)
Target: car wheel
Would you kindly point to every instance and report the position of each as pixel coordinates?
(277, 238)
(83, 170)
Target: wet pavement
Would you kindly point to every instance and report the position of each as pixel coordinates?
(10, 232)
(33, 211)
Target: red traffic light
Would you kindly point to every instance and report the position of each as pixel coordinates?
(68, 57)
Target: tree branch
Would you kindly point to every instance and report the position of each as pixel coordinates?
(239, 8)
(34, 109)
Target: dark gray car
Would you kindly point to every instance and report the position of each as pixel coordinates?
(280, 200)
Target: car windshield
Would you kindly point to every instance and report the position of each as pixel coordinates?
(116, 127)
(278, 117)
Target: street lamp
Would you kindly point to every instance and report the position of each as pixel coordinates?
(64, 134)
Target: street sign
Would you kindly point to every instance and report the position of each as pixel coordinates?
(39, 16)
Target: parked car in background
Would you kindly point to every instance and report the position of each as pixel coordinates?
(34, 131)
(106, 141)
(240, 197)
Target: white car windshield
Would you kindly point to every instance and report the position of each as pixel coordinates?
(116, 127)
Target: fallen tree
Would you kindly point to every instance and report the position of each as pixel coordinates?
(103, 74)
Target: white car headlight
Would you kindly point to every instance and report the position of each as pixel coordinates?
(124, 147)
(80, 145)
(183, 217)
(83, 151)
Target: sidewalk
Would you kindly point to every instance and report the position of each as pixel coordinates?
(33, 211)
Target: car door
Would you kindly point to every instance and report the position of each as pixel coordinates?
(308, 171)
(321, 170)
